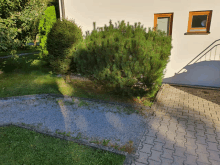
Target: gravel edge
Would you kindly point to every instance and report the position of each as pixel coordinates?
(130, 158)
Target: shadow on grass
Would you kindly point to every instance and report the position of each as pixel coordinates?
(35, 76)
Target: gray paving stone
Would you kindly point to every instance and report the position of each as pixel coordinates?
(218, 146)
(161, 132)
(199, 126)
(191, 150)
(212, 146)
(166, 161)
(152, 162)
(138, 163)
(172, 128)
(178, 160)
(167, 153)
(171, 136)
(157, 146)
(143, 157)
(203, 158)
(143, 139)
(190, 141)
(190, 159)
(164, 123)
(218, 135)
(211, 138)
(155, 156)
(173, 125)
(154, 123)
(149, 140)
(210, 131)
(206, 120)
(163, 127)
(190, 134)
(199, 122)
(169, 145)
(217, 128)
(200, 163)
(190, 123)
(160, 139)
(181, 130)
(182, 123)
(214, 155)
(166, 119)
(152, 132)
(209, 125)
(146, 148)
(179, 143)
(190, 128)
(179, 151)
(201, 148)
(182, 135)
(200, 133)
(201, 140)
(173, 122)
(213, 162)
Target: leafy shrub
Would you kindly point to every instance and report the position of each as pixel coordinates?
(117, 57)
(63, 36)
(45, 25)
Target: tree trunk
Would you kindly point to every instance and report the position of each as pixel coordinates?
(35, 41)
(67, 78)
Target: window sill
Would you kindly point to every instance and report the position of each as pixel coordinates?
(196, 33)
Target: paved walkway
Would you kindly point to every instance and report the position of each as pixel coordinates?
(185, 130)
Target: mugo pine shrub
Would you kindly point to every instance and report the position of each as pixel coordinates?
(63, 36)
(117, 57)
(45, 25)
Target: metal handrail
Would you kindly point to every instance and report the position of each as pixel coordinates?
(200, 54)
(210, 53)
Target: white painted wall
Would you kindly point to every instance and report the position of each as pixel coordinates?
(185, 47)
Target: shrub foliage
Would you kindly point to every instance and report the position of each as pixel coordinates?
(63, 36)
(118, 57)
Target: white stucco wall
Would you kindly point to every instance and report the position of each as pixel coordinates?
(185, 47)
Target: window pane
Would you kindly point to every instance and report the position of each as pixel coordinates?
(163, 24)
(199, 21)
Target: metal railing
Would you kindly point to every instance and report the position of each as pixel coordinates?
(204, 54)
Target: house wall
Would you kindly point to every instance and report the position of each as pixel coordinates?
(185, 47)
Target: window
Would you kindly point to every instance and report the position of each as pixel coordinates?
(199, 22)
(164, 22)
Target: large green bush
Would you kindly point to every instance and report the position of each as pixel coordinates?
(17, 23)
(117, 57)
(63, 36)
(45, 25)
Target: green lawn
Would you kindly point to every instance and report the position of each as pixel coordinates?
(20, 146)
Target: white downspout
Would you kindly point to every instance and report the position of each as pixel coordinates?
(62, 9)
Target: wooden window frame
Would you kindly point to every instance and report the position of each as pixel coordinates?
(207, 28)
(170, 15)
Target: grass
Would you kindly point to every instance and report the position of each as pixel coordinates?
(19, 146)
